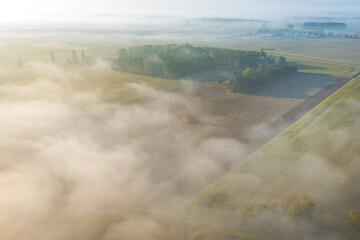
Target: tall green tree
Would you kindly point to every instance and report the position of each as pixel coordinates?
(300, 209)
(75, 59)
(354, 222)
(19, 61)
(83, 56)
(53, 60)
(217, 199)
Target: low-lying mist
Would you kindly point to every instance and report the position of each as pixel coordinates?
(64, 146)
(69, 159)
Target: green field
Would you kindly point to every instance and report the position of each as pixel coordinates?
(225, 235)
(338, 49)
(290, 163)
(270, 163)
(324, 66)
(113, 85)
(268, 173)
(8, 54)
(284, 165)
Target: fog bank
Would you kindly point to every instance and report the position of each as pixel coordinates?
(65, 146)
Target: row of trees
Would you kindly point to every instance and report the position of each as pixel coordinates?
(354, 222)
(297, 208)
(75, 59)
(325, 25)
(252, 79)
(236, 59)
(301, 209)
(252, 70)
(84, 59)
(175, 61)
(166, 61)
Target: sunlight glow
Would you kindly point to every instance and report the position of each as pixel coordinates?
(24, 11)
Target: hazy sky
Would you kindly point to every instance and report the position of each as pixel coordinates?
(75, 10)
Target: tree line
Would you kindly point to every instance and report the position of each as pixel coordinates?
(325, 25)
(252, 69)
(252, 79)
(165, 61)
(179, 60)
(298, 209)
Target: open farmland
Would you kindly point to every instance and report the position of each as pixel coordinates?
(278, 105)
(337, 50)
(180, 120)
(237, 114)
(115, 87)
(233, 114)
(287, 156)
(252, 119)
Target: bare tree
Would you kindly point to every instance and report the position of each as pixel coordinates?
(83, 56)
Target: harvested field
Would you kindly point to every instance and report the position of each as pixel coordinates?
(236, 115)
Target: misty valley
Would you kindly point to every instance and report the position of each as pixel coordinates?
(181, 120)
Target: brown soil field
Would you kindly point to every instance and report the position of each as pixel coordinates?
(268, 110)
